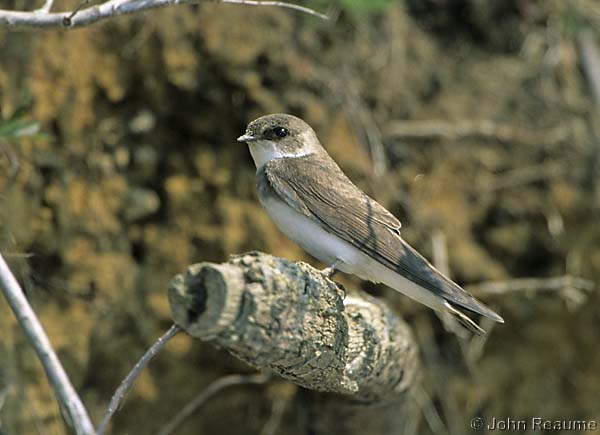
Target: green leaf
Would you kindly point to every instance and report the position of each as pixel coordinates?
(18, 128)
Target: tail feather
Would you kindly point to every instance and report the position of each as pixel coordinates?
(463, 319)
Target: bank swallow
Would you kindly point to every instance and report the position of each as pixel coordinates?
(312, 201)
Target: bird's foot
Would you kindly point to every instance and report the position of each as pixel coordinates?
(328, 272)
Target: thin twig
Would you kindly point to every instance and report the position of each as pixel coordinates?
(114, 8)
(133, 375)
(531, 284)
(4, 392)
(69, 19)
(278, 407)
(362, 122)
(18, 254)
(590, 60)
(525, 175)
(472, 350)
(46, 7)
(472, 345)
(70, 403)
(440, 251)
(214, 388)
(431, 414)
(14, 163)
(440, 261)
(484, 129)
(280, 4)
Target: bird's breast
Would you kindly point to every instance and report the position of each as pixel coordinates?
(310, 236)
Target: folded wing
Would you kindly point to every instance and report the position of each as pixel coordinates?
(321, 191)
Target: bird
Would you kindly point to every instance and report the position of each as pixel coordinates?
(312, 201)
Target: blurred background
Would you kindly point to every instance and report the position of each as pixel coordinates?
(471, 120)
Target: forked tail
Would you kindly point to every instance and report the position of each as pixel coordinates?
(463, 319)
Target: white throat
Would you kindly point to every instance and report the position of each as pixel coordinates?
(263, 151)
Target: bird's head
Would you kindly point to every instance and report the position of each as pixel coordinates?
(279, 136)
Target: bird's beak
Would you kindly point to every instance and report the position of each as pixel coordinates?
(246, 138)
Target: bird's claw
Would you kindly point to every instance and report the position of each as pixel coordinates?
(328, 272)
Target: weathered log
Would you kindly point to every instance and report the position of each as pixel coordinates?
(290, 319)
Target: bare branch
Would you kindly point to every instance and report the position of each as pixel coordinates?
(531, 284)
(14, 163)
(590, 59)
(69, 18)
(4, 393)
(278, 406)
(46, 7)
(71, 406)
(114, 8)
(206, 394)
(431, 414)
(439, 245)
(280, 4)
(18, 254)
(133, 375)
(484, 129)
(362, 121)
(525, 175)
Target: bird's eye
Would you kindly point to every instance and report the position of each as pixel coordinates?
(280, 132)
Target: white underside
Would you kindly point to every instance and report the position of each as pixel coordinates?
(328, 248)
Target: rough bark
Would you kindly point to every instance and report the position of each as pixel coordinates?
(288, 318)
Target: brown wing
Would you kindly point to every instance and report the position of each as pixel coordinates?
(315, 186)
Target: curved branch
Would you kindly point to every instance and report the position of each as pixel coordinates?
(209, 392)
(113, 8)
(127, 383)
(70, 404)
